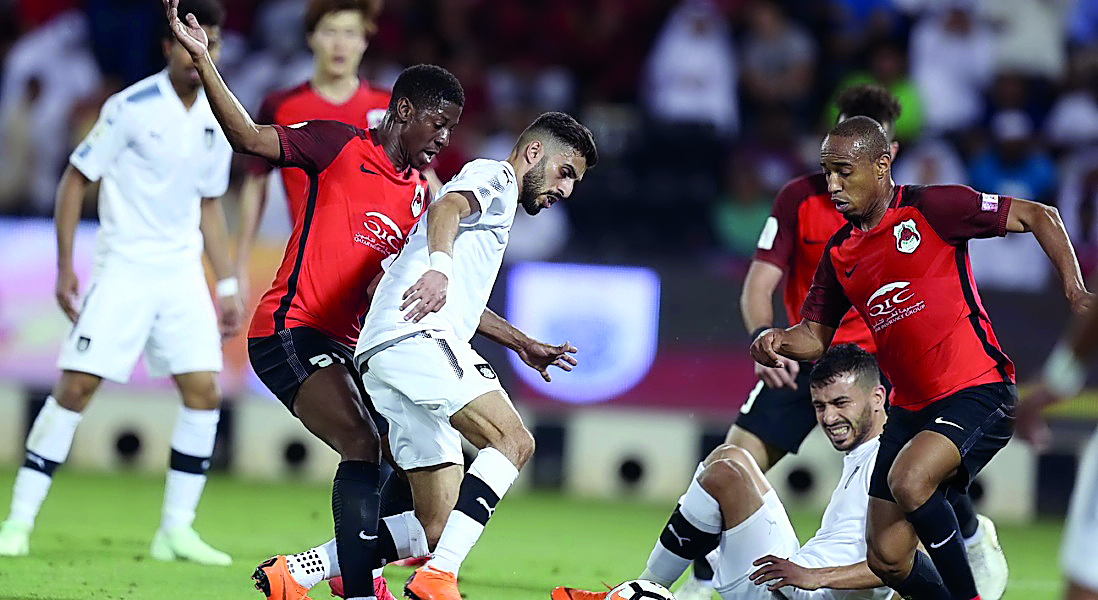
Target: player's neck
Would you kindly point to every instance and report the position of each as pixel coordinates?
(336, 89)
(187, 92)
(390, 143)
(877, 213)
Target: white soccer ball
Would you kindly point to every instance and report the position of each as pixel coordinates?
(640, 589)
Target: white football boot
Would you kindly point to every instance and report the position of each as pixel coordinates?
(14, 538)
(988, 563)
(183, 543)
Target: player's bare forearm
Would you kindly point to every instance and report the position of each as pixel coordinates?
(849, 577)
(443, 217)
(1045, 224)
(215, 237)
(500, 331)
(253, 200)
(807, 340)
(242, 132)
(757, 297)
(66, 212)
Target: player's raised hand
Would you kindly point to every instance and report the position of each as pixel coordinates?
(784, 376)
(541, 356)
(783, 572)
(765, 348)
(426, 296)
(67, 291)
(190, 34)
(230, 315)
(1029, 422)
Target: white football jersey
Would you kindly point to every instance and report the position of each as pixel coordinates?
(840, 541)
(157, 160)
(478, 253)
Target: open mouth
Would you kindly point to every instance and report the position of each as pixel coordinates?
(839, 431)
(840, 205)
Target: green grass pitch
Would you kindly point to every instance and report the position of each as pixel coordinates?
(93, 534)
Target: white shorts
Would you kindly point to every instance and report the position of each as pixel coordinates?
(766, 531)
(128, 309)
(1080, 544)
(417, 384)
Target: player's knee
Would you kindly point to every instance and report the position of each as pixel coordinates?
(724, 479)
(910, 487)
(74, 390)
(202, 394)
(520, 447)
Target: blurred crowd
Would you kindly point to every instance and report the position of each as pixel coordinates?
(702, 108)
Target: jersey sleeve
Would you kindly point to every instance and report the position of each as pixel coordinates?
(779, 234)
(959, 213)
(313, 145)
(486, 182)
(215, 180)
(257, 165)
(826, 302)
(104, 142)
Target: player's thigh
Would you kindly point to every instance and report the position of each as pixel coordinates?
(184, 336)
(114, 324)
(766, 531)
(890, 539)
(979, 421)
(1080, 544)
(923, 464)
(780, 418)
(330, 405)
(899, 429)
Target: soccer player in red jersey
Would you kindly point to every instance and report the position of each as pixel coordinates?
(338, 33)
(363, 196)
(901, 261)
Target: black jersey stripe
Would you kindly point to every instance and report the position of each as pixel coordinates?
(1001, 360)
(291, 281)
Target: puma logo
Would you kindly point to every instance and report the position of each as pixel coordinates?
(682, 539)
(484, 503)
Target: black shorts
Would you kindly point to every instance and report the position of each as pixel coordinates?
(782, 417)
(283, 361)
(979, 420)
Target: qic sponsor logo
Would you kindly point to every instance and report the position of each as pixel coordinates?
(891, 303)
(382, 233)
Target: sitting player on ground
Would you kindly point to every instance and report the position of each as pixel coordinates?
(730, 505)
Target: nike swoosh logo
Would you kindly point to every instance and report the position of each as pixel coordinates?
(367, 171)
(362, 535)
(943, 542)
(808, 241)
(942, 421)
(849, 271)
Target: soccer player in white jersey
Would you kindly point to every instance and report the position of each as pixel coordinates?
(163, 163)
(414, 353)
(730, 504)
(1063, 377)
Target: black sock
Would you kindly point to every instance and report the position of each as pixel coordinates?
(924, 582)
(936, 525)
(703, 570)
(354, 509)
(396, 495)
(966, 513)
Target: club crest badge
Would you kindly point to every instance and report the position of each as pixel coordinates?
(907, 236)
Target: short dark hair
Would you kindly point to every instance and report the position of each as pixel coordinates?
(871, 141)
(369, 9)
(427, 87)
(565, 130)
(208, 12)
(843, 359)
(869, 100)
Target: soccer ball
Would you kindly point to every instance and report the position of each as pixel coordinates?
(639, 589)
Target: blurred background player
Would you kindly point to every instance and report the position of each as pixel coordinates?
(901, 261)
(414, 353)
(364, 195)
(338, 33)
(731, 504)
(778, 415)
(1063, 377)
(163, 163)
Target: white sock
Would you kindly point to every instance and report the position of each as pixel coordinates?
(329, 548)
(701, 511)
(48, 446)
(192, 445)
(407, 533)
(976, 537)
(408, 537)
(312, 566)
(488, 479)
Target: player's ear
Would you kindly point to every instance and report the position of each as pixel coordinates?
(533, 151)
(883, 164)
(166, 46)
(404, 110)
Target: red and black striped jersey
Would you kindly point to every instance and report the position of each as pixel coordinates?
(909, 278)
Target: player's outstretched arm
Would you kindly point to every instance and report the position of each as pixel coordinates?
(215, 236)
(807, 340)
(428, 295)
(243, 134)
(538, 355)
(1045, 224)
(776, 573)
(66, 214)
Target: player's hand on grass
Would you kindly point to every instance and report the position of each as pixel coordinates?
(784, 376)
(777, 573)
(231, 315)
(541, 356)
(190, 34)
(428, 295)
(1029, 422)
(67, 292)
(765, 348)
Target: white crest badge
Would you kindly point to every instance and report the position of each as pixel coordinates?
(417, 200)
(907, 236)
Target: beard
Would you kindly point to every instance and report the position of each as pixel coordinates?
(533, 183)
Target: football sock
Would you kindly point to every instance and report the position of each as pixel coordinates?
(48, 445)
(396, 495)
(488, 479)
(936, 526)
(312, 566)
(924, 582)
(192, 446)
(966, 514)
(398, 536)
(703, 571)
(692, 532)
(354, 510)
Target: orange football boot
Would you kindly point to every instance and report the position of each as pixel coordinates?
(273, 578)
(567, 593)
(429, 583)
